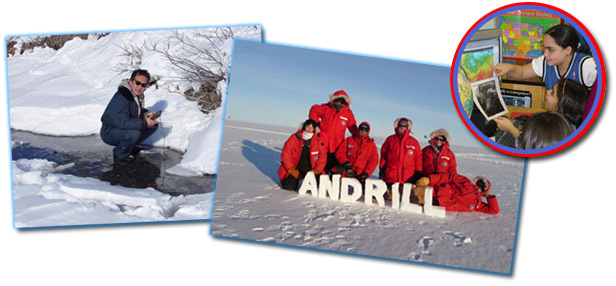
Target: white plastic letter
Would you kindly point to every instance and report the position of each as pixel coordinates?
(309, 184)
(375, 189)
(395, 196)
(344, 190)
(429, 209)
(329, 187)
(406, 201)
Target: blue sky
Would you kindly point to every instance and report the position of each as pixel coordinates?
(277, 84)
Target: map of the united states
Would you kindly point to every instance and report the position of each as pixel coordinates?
(521, 39)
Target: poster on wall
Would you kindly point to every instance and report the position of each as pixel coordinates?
(476, 62)
(523, 32)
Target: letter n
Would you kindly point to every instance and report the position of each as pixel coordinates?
(329, 187)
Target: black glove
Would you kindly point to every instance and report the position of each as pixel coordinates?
(363, 176)
(339, 169)
(416, 176)
(350, 173)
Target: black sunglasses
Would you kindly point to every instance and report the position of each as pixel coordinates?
(141, 84)
(403, 126)
(440, 139)
(340, 101)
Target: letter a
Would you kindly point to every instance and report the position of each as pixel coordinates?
(309, 184)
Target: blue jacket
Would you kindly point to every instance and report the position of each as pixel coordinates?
(123, 111)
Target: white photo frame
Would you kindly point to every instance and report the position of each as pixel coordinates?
(488, 98)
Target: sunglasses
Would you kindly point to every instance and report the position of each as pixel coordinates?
(141, 84)
(403, 126)
(440, 139)
(340, 101)
(364, 127)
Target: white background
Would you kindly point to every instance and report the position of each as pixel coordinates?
(566, 219)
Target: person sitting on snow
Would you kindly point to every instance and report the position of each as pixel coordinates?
(458, 193)
(358, 155)
(124, 122)
(438, 157)
(303, 152)
(334, 118)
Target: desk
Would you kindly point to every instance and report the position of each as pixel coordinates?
(538, 97)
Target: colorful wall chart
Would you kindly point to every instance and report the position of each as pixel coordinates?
(476, 63)
(523, 32)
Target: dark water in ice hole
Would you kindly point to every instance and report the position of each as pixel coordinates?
(93, 158)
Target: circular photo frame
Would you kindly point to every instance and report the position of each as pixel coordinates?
(462, 90)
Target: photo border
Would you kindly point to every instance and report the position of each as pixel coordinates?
(600, 81)
(494, 80)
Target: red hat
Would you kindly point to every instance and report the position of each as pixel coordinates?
(340, 94)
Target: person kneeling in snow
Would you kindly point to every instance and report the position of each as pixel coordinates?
(303, 152)
(438, 158)
(358, 155)
(125, 124)
(457, 193)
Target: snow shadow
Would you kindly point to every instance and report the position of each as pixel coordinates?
(265, 159)
(163, 129)
(159, 105)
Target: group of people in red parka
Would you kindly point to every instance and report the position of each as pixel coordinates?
(319, 146)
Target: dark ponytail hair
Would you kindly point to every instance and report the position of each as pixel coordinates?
(566, 36)
(572, 98)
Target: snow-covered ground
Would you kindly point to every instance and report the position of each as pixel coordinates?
(44, 198)
(64, 93)
(249, 204)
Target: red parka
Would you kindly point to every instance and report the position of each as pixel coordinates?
(361, 152)
(457, 193)
(435, 162)
(292, 151)
(400, 156)
(333, 124)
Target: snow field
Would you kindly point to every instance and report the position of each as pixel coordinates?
(249, 204)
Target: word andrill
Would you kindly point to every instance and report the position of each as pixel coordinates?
(350, 190)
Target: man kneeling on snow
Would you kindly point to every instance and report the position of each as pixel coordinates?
(125, 123)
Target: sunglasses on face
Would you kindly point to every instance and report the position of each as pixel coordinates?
(440, 139)
(141, 84)
(364, 128)
(403, 126)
